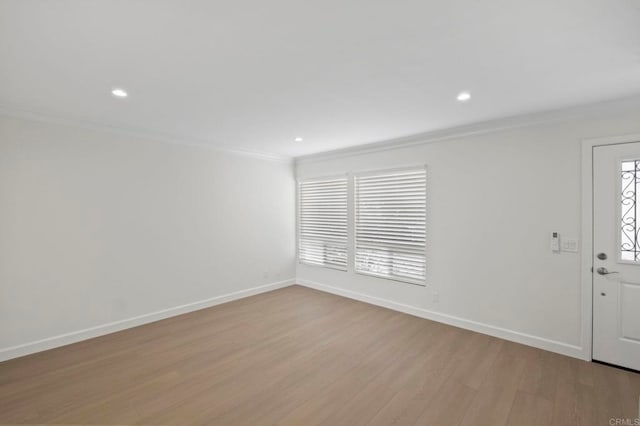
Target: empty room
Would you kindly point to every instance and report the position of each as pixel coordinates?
(320, 212)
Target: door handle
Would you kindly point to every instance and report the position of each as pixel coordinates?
(603, 271)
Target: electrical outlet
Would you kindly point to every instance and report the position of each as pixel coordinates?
(570, 245)
(436, 297)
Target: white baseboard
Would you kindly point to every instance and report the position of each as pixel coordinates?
(502, 333)
(100, 330)
(112, 327)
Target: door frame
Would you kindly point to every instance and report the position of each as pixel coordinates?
(586, 276)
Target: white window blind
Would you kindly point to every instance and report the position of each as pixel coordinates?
(390, 221)
(322, 222)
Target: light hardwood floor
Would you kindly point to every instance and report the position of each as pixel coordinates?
(301, 357)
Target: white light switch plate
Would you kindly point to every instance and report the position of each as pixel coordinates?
(570, 245)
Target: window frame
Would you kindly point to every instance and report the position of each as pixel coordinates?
(354, 236)
(618, 189)
(300, 181)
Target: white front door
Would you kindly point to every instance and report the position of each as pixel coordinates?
(616, 254)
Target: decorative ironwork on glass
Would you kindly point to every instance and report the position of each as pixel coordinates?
(629, 226)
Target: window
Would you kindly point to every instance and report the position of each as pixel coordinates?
(390, 219)
(322, 222)
(629, 226)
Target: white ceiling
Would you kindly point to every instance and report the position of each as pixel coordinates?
(254, 75)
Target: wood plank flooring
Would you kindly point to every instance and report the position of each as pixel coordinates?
(297, 356)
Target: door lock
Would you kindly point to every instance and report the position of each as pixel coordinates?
(603, 271)
(602, 256)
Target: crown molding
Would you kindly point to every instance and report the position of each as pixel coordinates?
(46, 117)
(481, 128)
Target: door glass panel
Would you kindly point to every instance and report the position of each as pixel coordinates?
(629, 246)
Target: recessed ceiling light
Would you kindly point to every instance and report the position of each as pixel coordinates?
(298, 139)
(464, 96)
(119, 93)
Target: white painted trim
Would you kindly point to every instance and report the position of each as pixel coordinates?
(481, 128)
(611, 140)
(586, 276)
(112, 327)
(45, 117)
(586, 255)
(502, 333)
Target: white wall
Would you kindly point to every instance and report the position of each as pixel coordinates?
(493, 200)
(98, 227)
(101, 231)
